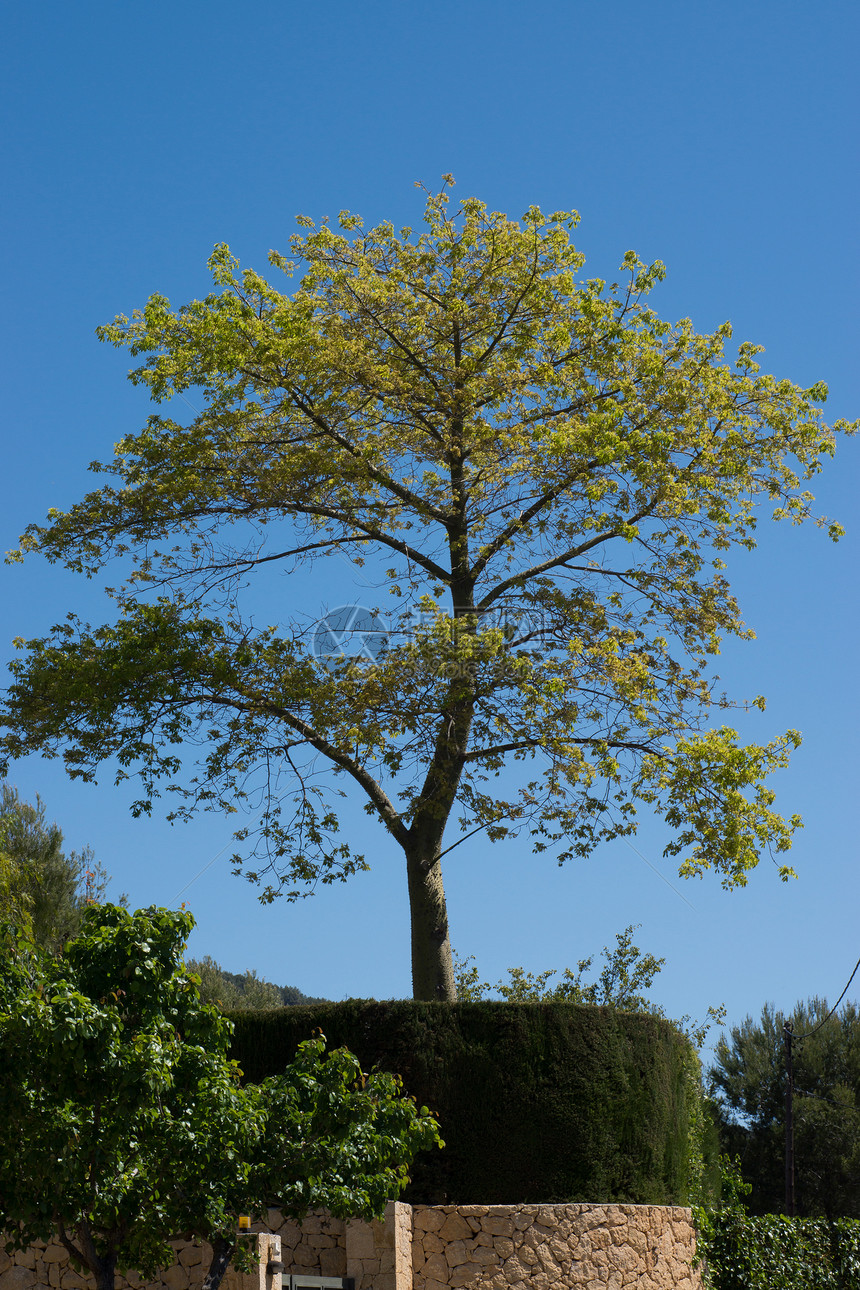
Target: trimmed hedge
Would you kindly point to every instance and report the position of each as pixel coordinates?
(547, 1102)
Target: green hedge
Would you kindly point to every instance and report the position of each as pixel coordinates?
(537, 1102)
(772, 1252)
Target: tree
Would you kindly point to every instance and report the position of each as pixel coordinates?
(123, 1124)
(749, 1077)
(232, 990)
(544, 477)
(46, 885)
(14, 903)
(626, 973)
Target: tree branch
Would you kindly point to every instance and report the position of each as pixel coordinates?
(374, 534)
(556, 562)
(523, 518)
(387, 812)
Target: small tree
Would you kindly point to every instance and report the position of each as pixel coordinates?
(627, 971)
(123, 1124)
(545, 476)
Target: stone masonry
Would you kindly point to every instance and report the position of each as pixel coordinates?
(552, 1247)
(434, 1247)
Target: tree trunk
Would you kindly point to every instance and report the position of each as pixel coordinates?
(105, 1274)
(222, 1253)
(85, 1252)
(432, 968)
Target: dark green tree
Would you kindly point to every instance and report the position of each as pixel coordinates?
(123, 1124)
(748, 1079)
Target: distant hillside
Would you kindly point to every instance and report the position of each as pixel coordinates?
(234, 990)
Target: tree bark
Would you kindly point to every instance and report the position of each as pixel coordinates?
(85, 1252)
(222, 1253)
(106, 1275)
(432, 969)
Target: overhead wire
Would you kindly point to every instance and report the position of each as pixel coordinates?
(202, 871)
(808, 1033)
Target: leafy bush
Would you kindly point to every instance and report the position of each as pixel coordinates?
(123, 1124)
(740, 1251)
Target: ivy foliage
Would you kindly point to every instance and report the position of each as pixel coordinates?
(540, 1102)
(627, 973)
(738, 1251)
(124, 1124)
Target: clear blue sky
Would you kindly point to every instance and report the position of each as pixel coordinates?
(719, 138)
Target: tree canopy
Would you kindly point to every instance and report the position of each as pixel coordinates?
(749, 1079)
(124, 1125)
(542, 476)
(235, 991)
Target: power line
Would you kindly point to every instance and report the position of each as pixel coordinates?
(817, 1097)
(201, 873)
(660, 875)
(808, 1033)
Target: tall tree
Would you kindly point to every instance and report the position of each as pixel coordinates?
(123, 1123)
(47, 886)
(544, 476)
(749, 1079)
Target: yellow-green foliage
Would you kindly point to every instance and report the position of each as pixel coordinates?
(543, 473)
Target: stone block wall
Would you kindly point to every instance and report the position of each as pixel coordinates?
(47, 1267)
(316, 1246)
(379, 1255)
(553, 1247)
(435, 1247)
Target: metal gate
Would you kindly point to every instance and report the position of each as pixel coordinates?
(299, 1281)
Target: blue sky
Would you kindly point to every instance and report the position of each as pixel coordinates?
(720, 139)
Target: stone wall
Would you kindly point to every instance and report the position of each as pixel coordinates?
(436, 1247)
(317, 1246)
(552, 1247)
(43, 1266)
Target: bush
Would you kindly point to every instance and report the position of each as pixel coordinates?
(772, 1252)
